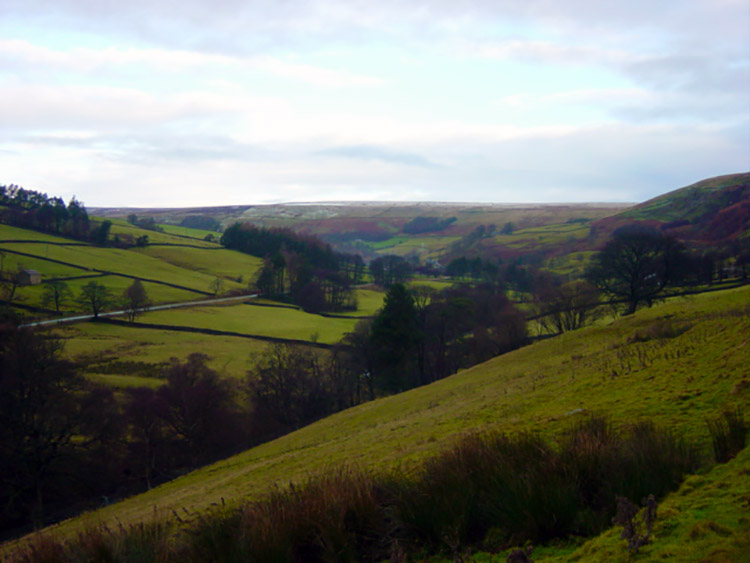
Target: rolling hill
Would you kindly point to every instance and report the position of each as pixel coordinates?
(714, 211)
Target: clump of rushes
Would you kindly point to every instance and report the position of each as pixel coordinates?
(142, 543)
(488, 488)
(338, 516)
(728, 434)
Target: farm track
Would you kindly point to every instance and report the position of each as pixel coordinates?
(102, 316)
(88, 245)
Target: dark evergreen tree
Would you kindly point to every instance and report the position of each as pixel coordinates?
(396, 334)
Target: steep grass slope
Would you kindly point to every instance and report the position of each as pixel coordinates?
(674, 364)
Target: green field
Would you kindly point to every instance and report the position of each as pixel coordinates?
(229, 264)
(425, 246)
(10, 233)
(105, 347)
(158, 293)
(437, 285)
(118, 261)
(264, 321)
(198, 234)
(368, 302)
(122, 227)
(14, 262)
(675, 364)
(194, 269)
(102, 344)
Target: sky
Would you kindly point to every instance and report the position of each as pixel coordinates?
(182, 103)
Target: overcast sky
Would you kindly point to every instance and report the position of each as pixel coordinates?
(191, 102)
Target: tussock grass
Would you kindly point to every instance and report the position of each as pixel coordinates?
(141, 543)
(728, 434)
(519, 487)
(705, 520)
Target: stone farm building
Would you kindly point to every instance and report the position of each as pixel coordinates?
(29, 277)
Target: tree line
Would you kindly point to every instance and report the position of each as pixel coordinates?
(29, 209)
(420, 225)
(300, 268)
(634, 268)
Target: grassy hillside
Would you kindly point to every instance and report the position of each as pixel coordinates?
(695, 201)
(124, 356)
(715, 210)
(182, 236)
(675, 364)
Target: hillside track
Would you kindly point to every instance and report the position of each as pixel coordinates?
(84, 318)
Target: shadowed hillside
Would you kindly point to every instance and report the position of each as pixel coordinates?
(715, 211)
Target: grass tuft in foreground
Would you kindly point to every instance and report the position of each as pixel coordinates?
(488, 491)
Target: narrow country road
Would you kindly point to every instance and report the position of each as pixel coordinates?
(81, 318)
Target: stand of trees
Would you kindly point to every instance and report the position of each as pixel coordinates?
(65, 442)
(304, 269)
(560, 307)
(421, 336)
(390, 269)
(51, 421)
(475, 268)
(148, 223)
(420, 225)
(203, 222)
(637, 264)
(30, 209)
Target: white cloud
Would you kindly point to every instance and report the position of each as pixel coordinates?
(103, 108)
(161, 98)
(546, 52)
(313, 74)
(24, 54)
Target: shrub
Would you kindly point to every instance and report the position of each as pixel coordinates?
(636, 533)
